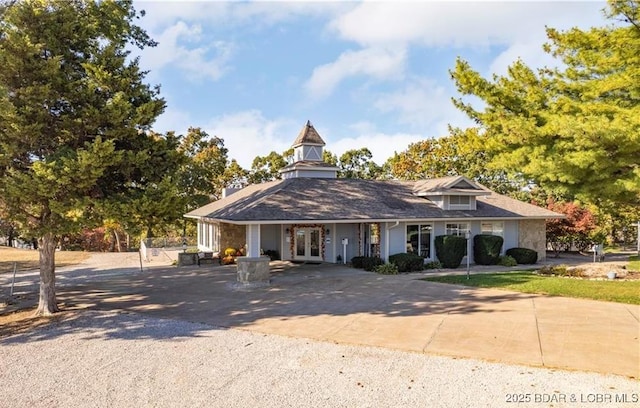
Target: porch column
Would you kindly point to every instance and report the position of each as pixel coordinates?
(252, 268)
(253, 240)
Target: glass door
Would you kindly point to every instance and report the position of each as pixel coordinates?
(308, 244)
(301, 243)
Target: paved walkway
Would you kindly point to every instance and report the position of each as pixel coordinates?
(339, 304)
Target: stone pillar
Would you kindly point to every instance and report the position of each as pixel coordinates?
(532, 234)
(253, 269)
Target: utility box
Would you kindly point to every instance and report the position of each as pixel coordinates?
(345, 241)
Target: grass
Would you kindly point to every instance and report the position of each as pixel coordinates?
(28, 258)
(528, 282)
(634, 263)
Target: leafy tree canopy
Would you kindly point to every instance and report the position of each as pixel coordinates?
(575, 129)
(75, 115)
(463, 153)
(358, 163)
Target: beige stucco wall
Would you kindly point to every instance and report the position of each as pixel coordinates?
(232, 236)
(532, 235)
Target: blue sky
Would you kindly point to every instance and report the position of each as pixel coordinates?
(366, 74)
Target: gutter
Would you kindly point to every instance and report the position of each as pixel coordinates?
(386, 239)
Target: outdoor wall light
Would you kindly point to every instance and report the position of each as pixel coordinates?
(328, 231)
(287, 230)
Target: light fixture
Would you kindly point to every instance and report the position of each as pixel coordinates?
(287, 230)
(328, 231)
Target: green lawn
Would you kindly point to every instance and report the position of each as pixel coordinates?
(528, 282)
(634, 263)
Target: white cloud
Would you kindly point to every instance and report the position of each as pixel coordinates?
(249, 134)
(423, 104)
(205, 60)
(380, 63)
(160, 13)
(458, 24)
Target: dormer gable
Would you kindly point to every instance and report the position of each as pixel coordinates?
(451, 193)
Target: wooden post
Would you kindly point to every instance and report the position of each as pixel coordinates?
(15, 267)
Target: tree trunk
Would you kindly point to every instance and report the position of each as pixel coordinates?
(11, 236)
(117, 237)
(47, 304)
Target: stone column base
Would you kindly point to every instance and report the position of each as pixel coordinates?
(252, 270)
(187, 258)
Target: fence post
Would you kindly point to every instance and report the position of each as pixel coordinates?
(13, 281)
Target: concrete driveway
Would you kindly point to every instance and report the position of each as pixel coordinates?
(343, 305)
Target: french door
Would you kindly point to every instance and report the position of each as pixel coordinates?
(307, 244)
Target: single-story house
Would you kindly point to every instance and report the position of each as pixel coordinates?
(311, 215)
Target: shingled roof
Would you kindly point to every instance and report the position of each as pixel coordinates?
(308, 135)
(352, 200)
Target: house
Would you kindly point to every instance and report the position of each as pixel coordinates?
(311, 215)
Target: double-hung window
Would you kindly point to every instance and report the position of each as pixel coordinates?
(458, 229)
(492, 228)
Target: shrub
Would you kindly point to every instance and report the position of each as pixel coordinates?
(523, 255)
(273, 254)
(369, 263)
(486, 249)
(407, 262)
(506, 261)
(450, 250)
(387, 269)
(357, 262)
(433, 265)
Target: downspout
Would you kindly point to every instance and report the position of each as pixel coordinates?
(386, 239)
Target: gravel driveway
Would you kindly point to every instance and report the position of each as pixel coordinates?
(102, 359)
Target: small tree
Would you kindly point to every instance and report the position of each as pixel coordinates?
(574, 230)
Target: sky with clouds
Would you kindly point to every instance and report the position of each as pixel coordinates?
(366, 74)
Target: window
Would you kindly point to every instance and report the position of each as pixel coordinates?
(459, 229)
(372, 239)
(492, 228)
(209, 236)
(459, 202)
(419, 240)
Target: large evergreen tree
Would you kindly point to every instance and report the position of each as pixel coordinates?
(574, 130)
(75, 115)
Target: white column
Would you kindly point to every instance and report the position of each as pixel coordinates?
(253, 240)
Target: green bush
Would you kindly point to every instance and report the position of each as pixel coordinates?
(357, 262)
(369, 263)
(507, 260)
(407, 262)
(387, 269)
(450, 250)
(523, 255)
(433, 265)
(486, 249)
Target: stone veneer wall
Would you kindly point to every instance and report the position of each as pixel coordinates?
(232, 236)
(532, 234)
